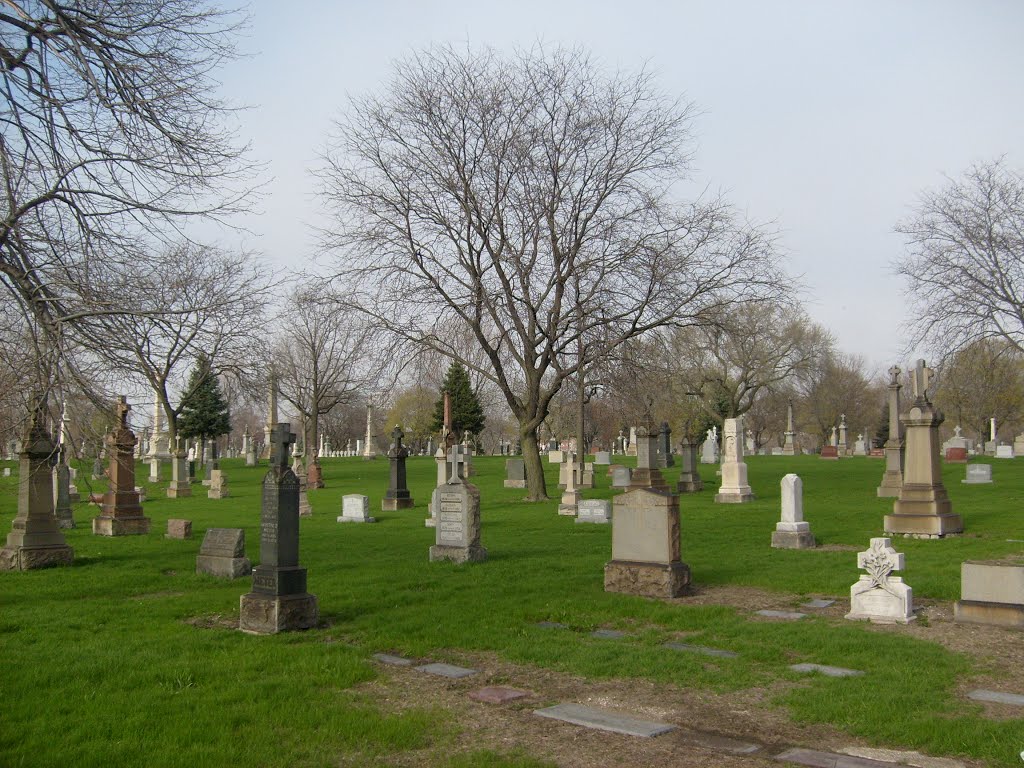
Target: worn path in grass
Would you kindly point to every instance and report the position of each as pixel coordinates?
(133, 653)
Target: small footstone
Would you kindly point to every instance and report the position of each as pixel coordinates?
(817, 759)
(702, 650)
(604, 720)
(826, 670)
(997, 697)
(551, 625)
(781, 614)
(498, 694)
(816, 603)
(446, 670)
(607, 634)
(394, 661)
(718, 743)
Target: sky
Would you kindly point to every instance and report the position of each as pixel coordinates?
(826, 119)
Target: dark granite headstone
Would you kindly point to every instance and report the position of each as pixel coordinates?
(397, 496)
(689, 477)
(515, 473)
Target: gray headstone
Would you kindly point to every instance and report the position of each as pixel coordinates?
(604, 720)
(222, 553)
(621, 477)
(515, 473)
(602, 457)
(997, 697)
(978, 473)
(781, 614)
(457, 532)
(594, 511)
(446, 670)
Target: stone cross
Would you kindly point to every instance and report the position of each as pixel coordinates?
(894, 376)
(880, 560)
(121, 409)
(842, 419)
(281, 439)
(455, 458)
(921, 380)
(396, 437)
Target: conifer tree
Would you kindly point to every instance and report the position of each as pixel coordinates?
(204, 411)
(467, 414)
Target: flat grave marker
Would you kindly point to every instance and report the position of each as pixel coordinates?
(604, 720)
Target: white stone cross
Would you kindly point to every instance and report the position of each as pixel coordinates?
(880, 560)
(921, 380)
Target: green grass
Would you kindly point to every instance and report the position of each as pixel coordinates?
(100, 664)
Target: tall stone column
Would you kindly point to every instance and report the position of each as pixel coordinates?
(689, 477)
(271, 416)
(35, 540)
(923, 509)
(790, 448)
(646, 474)
(892, 480)
(734, 488)
(369, 451)
(121, 512)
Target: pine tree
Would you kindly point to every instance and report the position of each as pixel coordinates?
(204, 411)
(467, 414)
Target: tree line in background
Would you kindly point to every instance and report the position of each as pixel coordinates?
(524, 215)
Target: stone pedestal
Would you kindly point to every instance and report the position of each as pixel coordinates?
(892, 480)
(218, 485)
(734, 488)
(991, 592)
(35, 540)
(923, 508)
(645, 545)
(646, 474)
(689, 478)
(121, 511)
(458, 524)
(279, 600)
(180, 487)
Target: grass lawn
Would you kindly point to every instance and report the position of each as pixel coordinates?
(124, 659)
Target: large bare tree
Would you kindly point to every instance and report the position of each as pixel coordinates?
(964, 264)
(113, 137)
(531, 199)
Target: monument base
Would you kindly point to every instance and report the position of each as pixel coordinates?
(179, 490)
(956, 455)
(393, 505)
(890, 487)
(260, 614)
(343, 519)
(224, 567)
(734, 496)
(515, 483)
(923, 526)
(13, 558)
(66, 522)
(217, 493)
(995, 614)
(689, 485)
(646, 579)
(568, 510)
(793, 540)
(105, 525)
(830, 452)
(440, 552)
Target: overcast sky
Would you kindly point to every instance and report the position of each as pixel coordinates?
(827, 118)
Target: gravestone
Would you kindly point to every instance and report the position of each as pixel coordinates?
(35, 540)
(790, 447)
(923, 508)
(570, 496)
(792, 532)
(355, 508)
(515, 473)
(218, 485)
(621, 476)
(556, 457)
(457, 533)
(121, 511)
(892, 479)
(956, 455)
(1004, 452)
(97, 468)
(222, 553)
(645, 545)
(279, 600)
(397, 495)
(62, 495)
(631, 445)
(369, 447)
(665, 458)
(602, 458)
(709, 451)
(879, 596)
(647, 474)
(689, 477)
(734, 488)
(314, 473)
(178, 529)
(180, 486)
(978, 474)
(594, 511)
(442, 465)
(1018, 445)
(991, 592)
(860, 446)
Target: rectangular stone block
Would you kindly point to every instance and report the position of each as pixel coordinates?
(179, 529)
(994, 581)
(594, 511)
(604, 720)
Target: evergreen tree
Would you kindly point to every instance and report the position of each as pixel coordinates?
(204, 411)
(467, 414)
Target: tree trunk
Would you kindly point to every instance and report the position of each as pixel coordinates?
(535, 485)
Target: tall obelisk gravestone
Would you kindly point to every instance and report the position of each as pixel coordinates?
(279, 601)
(923, 509)
(121, 512)
(35, 540)
(892, 480)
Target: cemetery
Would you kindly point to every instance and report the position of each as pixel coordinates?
(533, 621)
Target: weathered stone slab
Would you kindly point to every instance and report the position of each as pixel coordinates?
(781, 614)
(597, 511)
(816, 759)
(604, 720)
(498, 694)
(817, 603)
(997, 697)
(718, 743)
(826, 670)
(978, 474)
(607, 634)
(446, 670)
(701, 649)
(178, 529)
(393, 661)
(355, 508)
(903, 757)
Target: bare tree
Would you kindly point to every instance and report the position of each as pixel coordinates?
(530, 200)
(191, 301)
(328, 355)
(113, 137)
(965, 260)
(981, 381)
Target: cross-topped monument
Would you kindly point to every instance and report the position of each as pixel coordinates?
(920, 381)
(397, 496)
(281, 441)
